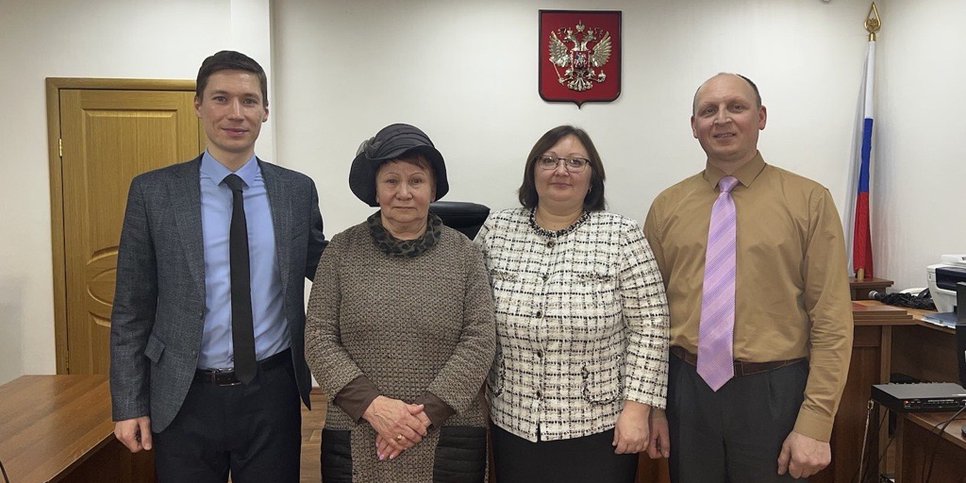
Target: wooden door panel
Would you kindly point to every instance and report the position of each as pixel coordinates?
(100, 272)
(109, 136)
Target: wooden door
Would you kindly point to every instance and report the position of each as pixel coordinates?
(108, 137)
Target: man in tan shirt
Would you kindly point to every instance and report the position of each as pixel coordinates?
(792, 332)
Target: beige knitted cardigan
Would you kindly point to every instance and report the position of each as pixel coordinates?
(410, 325)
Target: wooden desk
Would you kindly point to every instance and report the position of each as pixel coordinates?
(59, 428)
(860, 288)
(918, 443)
(872, 354)
(925, 352)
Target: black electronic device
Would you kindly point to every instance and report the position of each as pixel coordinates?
(948, 277)
(920, 397)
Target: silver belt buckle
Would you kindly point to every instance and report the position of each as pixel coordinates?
(219, 372)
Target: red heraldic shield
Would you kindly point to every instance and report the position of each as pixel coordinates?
(579, 56)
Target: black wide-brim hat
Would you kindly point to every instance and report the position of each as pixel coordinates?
(393, 142)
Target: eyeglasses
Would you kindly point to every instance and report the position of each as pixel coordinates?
(572, 164)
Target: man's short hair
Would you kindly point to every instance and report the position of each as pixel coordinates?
(230, 60)
(754, 87)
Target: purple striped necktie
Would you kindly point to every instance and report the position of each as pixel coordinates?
(716, 334)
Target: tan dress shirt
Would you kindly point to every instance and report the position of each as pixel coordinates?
(792, 283)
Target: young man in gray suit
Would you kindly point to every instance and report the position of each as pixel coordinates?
(207, 351)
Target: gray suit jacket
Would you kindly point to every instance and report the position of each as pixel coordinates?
(159, 302)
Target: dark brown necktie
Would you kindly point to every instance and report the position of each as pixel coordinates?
(242, 330)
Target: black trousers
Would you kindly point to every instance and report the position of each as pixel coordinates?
(578, 460)
(733, 435)
(252, 431)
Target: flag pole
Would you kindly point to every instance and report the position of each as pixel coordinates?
(862, 240)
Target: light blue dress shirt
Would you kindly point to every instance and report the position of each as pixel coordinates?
(271, 328)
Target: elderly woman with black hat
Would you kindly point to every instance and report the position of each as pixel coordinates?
(400, 328)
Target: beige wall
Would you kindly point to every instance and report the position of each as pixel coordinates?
(465, 71)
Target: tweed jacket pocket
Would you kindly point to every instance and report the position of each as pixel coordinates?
(594, 276)
(498, 275)
(602, 383)
(598, 289)
(153, 349)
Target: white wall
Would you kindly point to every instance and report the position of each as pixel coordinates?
(77, 38)
(921, 157)
(465, 72)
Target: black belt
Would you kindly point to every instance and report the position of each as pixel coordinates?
(226, 377)
(742, 368)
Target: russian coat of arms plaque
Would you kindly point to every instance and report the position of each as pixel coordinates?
(579, 56)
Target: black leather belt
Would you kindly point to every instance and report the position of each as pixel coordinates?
(226, 377)
(742, 368)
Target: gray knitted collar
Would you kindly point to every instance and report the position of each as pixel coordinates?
(404, 248)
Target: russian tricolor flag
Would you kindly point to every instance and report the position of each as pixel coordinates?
(861, 240)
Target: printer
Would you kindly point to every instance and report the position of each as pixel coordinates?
(942, 278)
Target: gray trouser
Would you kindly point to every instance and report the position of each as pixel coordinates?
(733, 435)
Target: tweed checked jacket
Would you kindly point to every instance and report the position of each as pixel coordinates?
(582, 324)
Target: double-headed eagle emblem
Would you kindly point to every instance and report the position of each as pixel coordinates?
(584, 61)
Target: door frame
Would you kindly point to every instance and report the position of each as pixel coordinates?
(57, 235)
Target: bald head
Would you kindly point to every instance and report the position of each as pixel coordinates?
(751, 85)
(727, 118)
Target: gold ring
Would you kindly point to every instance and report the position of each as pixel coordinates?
(399, 437)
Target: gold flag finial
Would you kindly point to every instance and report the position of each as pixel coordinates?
(872, 23)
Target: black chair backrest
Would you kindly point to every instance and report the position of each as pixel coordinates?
(465, 217)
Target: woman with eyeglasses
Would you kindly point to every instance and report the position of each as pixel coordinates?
(582, 325)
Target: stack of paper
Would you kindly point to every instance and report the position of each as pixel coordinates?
(945, 319)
